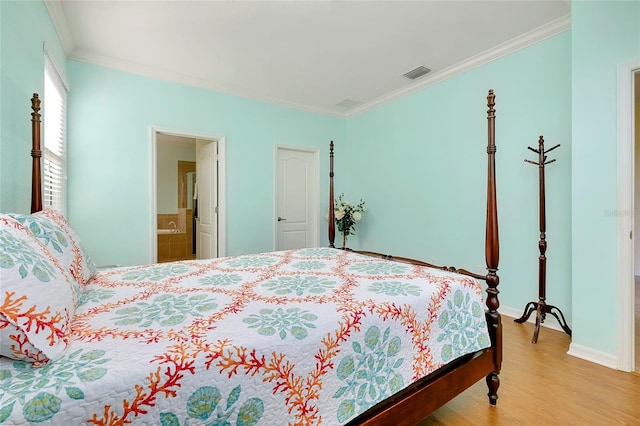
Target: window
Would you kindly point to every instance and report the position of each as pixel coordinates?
(54, 190)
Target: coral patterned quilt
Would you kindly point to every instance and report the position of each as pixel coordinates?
(304, 336)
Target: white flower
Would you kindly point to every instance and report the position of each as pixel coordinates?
(357, 216)
(340, 213)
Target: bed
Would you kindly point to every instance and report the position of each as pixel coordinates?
(308, 336)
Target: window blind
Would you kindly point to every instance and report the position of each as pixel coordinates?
(54, 191)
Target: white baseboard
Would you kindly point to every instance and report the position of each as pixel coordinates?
(550, 320)
(579, 351)
(593, 355)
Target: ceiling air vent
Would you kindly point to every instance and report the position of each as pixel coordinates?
(418, 72)
(348, 103)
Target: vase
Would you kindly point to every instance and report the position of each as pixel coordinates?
(344, 241)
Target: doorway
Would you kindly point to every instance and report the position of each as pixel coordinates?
(297, 198)
(187, 191)
(627, 212)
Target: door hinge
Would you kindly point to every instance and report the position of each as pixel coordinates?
(631, 235)
(215, 210)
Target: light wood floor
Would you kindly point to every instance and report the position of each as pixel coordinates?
(637, 326)
(542, 385)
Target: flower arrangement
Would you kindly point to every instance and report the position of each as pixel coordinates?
(347, 215)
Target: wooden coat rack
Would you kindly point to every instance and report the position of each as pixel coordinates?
(541, 307)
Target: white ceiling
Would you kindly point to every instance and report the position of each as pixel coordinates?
(305, 54)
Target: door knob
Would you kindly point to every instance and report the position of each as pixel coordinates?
(280, 219)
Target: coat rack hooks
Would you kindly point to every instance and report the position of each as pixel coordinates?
(541, 307)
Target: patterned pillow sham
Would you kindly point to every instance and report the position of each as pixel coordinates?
(36, 297)
(53, 230)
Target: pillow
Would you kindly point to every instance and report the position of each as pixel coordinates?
(36, 297)
(53, 230)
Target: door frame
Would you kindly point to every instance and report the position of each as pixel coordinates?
(625, 216)
(315, 239)
(153, 202)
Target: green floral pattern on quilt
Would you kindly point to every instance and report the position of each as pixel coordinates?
(463, 324)
(16, 252)
(370, 374)
(220, 279)
(318, 252)
(394, 288)
(308, 265)
(272, 321)
(299, 285)
(166, 310)
(380, 268)
(49, 381)
(251, 261)
(155, 273)
(205, 401)
(49, 234)
(95, 296)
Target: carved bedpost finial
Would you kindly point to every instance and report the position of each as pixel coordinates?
(491, 102)
(35, 103)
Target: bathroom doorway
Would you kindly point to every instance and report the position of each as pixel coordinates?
(179, 199)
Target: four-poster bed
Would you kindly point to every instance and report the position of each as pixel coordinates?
(307, 336)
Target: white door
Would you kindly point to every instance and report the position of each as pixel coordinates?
(207, 194)
(296, 199)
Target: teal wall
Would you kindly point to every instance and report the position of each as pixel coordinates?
(420, 164)
(110, 157)
(24, 27)
(605, 36)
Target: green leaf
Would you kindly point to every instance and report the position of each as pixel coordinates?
(74, 393)
(92, 355)
(5, 374)
(340, 391)
(394, 346)
(346, 367)
(42, 407)
(357, 348)
(346, 410)
(250, 412)
(298, 332)
(233, 396)
(23, 271)
(173, 320)
(6, 261)
(169, 419)
(92, 374)
(203, 402)
(5, 412)
(372, 337)
(40, 274)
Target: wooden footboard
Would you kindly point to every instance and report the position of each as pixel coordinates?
(428, 394)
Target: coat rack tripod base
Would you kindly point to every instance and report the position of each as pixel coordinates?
(541, 308)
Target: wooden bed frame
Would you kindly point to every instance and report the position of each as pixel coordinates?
(419, 400)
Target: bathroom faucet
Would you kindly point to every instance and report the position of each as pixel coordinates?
(175, 228)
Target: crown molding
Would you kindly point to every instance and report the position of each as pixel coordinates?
(60, 24)
(166, 75)
(527, 39)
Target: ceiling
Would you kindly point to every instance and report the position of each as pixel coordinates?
(309, 55)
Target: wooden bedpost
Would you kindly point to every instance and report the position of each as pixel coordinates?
(36, 153)
(492, 254)
(332, 222)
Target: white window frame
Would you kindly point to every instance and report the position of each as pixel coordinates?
(54, 190)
